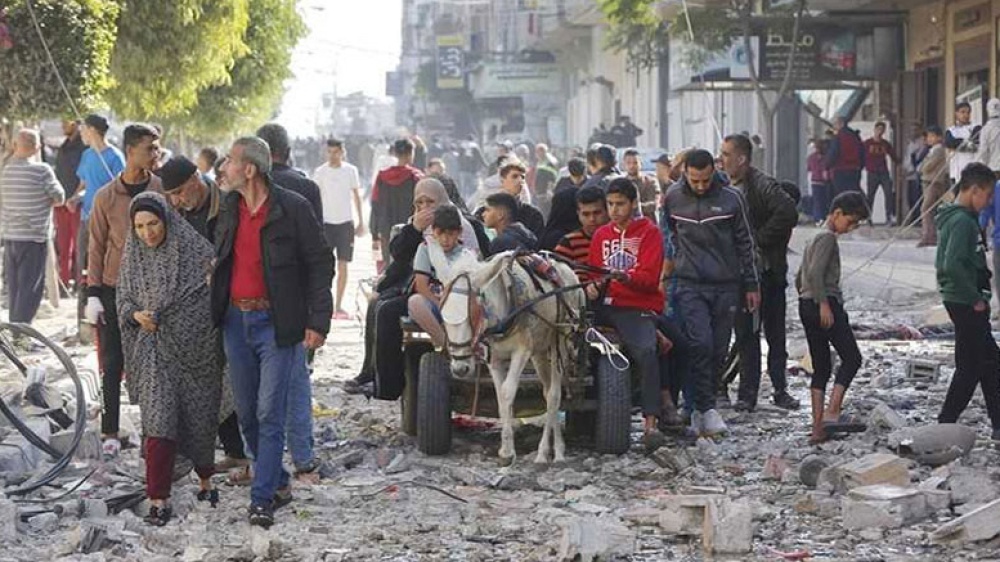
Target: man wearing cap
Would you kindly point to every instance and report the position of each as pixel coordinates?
(271, 296)
(195, 199)
(108, 228)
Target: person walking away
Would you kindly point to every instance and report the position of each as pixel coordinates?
(170, 346)
(821, 309)
(961, 140)
(964, 284)
(933, 172)
(877, 149)
(28, 192)
(631, 248)
(845, 158)
(108, 227)
(392, 196)
(197, 201)
(283, 174)
(100, 163)
(645, 185)
(500, 214)
(592, 212)
(563, 217)
(772, 215)
(711, 249)
(67, 218)
(819, 180)
(269, 315)
(340, 189)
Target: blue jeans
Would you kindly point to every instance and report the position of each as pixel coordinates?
(299, 426)
(262, 375)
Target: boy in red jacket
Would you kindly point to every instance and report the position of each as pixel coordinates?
(632, 247)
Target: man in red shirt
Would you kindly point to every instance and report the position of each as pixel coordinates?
(876, 151)
(632, 248)
(271, 296)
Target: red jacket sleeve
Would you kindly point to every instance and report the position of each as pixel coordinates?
(645, 276)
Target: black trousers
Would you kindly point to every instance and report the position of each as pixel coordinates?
(229, 435)
(384, 345)
(840, 336)
(673, 366)
(773, 305)
(637, 333)
(112, 361)
(977, 362)
(708, 313)
(24, 277)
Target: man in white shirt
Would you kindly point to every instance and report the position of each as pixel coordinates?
(339, 183)
(962, 140)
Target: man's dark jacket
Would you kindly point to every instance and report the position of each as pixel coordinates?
(602, 178)
(203, 218)
(392, 199)
(709, 236)
(297, 181)
(773, 215)
(514, 237)
(403, 248)
(298, 265)
(67, 161)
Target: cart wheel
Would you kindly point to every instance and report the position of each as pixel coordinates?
(434, 405)
(614, 412)
(408, 401)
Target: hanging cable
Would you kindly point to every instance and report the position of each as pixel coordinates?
(704, 87)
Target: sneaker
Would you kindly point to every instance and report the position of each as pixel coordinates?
(111, 448)
(358, 383)
(261, 515)
(158, 516)
(744, 406)
(785, 400)
(712, 424)
(697, 423)
(341, 315)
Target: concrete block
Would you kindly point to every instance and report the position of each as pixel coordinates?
(588, 539)
(882, 506)
(980, 525)
(935, 444)
(923, 370)
(685, 515)
(728, 527)
(876, 468)
(971, 485)
(883, 416)
(774, 468)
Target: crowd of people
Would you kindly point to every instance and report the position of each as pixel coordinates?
(211, 282)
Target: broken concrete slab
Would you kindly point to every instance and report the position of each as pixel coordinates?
(677, 460)
(774, 468)
(971, 485)
(883, 416)
(876, 468)
(18, 456)
(590, 538)
(728, 527)
(685, 514)
(882, 506)
(44, 522)
(934, 444)
(980, 525)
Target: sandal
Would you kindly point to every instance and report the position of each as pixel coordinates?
(158, 516)
(846, 423)
(211, 496)
(242, 476)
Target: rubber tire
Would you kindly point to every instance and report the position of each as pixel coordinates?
(614, 409)
(408, 401)
(434, 405)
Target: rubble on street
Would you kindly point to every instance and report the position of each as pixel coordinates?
(761, 493)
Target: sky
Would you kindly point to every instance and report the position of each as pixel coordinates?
(350, 46)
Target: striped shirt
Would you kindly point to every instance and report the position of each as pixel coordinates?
(575, 246)
(27, 192)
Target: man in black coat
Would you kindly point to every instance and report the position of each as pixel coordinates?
(286, 176)
(773, 215)
(271, 297)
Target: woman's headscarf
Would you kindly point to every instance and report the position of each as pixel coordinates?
(435, 190)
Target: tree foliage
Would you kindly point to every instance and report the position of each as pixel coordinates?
(81, 36)
(637, 30)
(167, 52)
(256, 81)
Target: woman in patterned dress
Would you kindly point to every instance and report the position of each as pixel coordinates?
(172, 355)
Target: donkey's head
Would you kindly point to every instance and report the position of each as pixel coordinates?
(461, 311)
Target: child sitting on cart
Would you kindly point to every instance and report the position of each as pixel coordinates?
(429, 264)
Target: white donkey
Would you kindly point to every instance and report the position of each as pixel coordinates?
(478, 297)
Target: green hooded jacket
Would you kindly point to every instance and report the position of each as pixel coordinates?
(962, 274)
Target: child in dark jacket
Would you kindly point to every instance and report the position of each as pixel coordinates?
(964, 284)
(821, 309)
(632, 248)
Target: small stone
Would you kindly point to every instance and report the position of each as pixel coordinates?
(590, 538)
(400, 463)
(774, 468)
(44, 522)
(809, 469)
(883, 416)
(195, 554)
(677, 460)
(871, 535)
